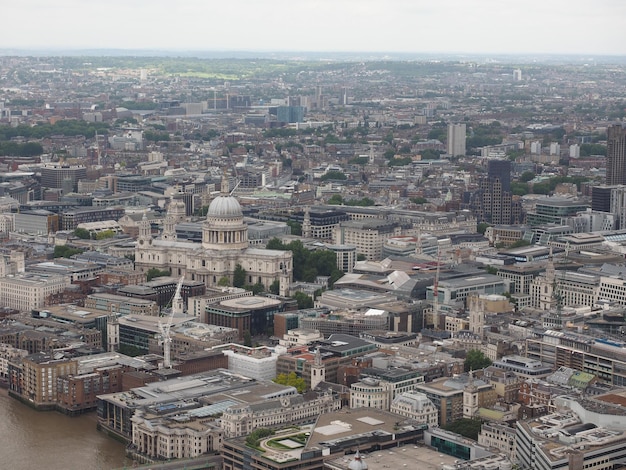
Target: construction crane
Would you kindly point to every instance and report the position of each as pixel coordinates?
(166, 339)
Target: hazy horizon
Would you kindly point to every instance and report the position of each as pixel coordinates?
(456, 27)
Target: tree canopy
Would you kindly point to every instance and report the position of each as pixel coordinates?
(482, 227)
(292, 380)
(475, 360)
(466, 427)
(29, 149)
(82, 233)
(304, 301)
(155, 272)
(64, 251)
(307, 265)
(334, 175)
(239, 276)
(67, 127)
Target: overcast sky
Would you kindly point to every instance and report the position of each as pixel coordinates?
(432, 26)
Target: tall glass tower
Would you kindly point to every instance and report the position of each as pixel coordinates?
(616, 155)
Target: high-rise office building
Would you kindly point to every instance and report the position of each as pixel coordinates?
(59, 176)
(456, 139)
(290, 114)
(616, 155)
(500, 170)
(493, 202)
(601, 198)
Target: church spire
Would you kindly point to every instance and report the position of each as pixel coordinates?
(306, 223)
(550, 272)
(318, 370)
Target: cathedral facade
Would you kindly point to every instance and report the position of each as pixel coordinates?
(224, 246)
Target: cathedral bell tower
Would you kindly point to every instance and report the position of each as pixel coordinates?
(145, 231)
(176, 213)
(318, 370)
(306, 223)
(470, 398)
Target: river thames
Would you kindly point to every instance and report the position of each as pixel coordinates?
(32, 439)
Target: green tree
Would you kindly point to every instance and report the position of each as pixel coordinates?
(300, 256)
(335, 200)
(254, 438)
(418, 200)
(105, 234)
(519, 243)
(475, 360)
(335, 275)
(431, 154)
(155, 272)
(363, 202)
(275, 287)
(334, 175)
(64, 251)
(467, 427)
(400, 161)
(247, 338)
(541, 188)
(131, 351)
(30, 149)
(304, 301)
(359, 160)
(201, 211)
(239, 276)
(519, 188)
(389, 154)
(275, 244)
(482, 227)
(224, 281)
(309, 274)
(255, 288)
(292, 380)
(324, 261)
(587, 150)
(296, 227)
(82, 233)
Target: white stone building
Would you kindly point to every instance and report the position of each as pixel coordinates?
(164, 438)
(240, 420)
(256, 363)
(224, 247)
(498, 436)
(300, 337)
(417, 406)
(29, 291)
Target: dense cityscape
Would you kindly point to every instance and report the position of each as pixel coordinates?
(338, 263)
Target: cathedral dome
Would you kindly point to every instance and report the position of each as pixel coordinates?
(224, 206)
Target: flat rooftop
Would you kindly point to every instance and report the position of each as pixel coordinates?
(209, 387)
(151, 323)
(250, 303)
(409, 456)
(345, 424)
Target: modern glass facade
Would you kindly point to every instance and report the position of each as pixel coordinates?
(454, 449)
